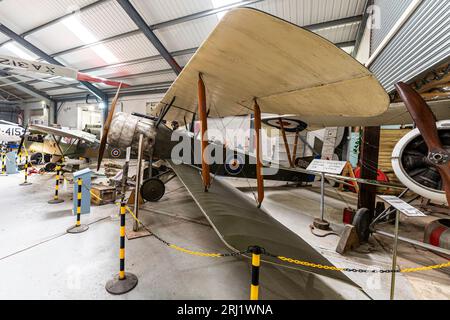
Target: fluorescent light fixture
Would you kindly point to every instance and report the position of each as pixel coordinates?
(222, 3)
(18, 51)
(74, 24)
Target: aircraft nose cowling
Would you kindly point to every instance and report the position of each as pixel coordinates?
(125, 130)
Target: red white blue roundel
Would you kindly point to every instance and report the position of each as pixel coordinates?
(290, 124)
(234, 164)
(115, 153)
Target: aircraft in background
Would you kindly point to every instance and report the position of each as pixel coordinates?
(10, 132)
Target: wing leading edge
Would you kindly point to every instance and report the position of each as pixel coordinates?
(251, 54)
(240, 224)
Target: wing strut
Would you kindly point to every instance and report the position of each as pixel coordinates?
(259, 175)
(204, 127)
(286, 145)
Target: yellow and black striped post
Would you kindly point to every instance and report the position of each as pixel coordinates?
(3, 172)
(56, 196)
(78, 228)
(25, 182)
(126, 281)
(256, 262)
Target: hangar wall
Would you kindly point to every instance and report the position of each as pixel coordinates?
(421, 43)
(68, 112)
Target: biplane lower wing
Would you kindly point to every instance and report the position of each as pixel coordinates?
(240, 224)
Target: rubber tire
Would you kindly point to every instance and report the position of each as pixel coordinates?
(361, 221)
(153, 190)
(36, 158)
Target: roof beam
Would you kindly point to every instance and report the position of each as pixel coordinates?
(25, 88)
(334, 23)
(17, 38)
(312, 27)
(362, 26)
(142, 25)
(51, 22)
(202, 14)
(164, 24)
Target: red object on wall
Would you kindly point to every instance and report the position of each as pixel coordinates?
(381, 176)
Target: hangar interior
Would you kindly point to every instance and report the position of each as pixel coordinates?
(331, 118)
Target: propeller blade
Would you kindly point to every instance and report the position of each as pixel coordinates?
(426, 123)
(106, 128)
(421, 114)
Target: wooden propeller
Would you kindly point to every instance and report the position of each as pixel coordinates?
(106, 128)
(426, 123)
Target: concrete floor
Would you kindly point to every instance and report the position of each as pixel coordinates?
(41, 261)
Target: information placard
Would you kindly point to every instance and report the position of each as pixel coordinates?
(402, 206)
(327, 166)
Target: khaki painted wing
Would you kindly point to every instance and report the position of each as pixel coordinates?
(68, 133)
(288, 69)
(240, 224)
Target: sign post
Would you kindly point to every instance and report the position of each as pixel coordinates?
(407, 210)
(324, 166)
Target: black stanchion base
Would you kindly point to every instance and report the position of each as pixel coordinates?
(117, 286)
(78, 229)
(321, 224)
(25, 184)
(54, 201)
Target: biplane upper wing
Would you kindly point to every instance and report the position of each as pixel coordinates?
(240, 224)
(290, 70)
(68, 133)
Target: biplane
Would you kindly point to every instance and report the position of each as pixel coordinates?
(251, 63)
(254, 63)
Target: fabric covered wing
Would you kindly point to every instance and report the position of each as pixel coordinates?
(74, 134)
(288, 69)
(240, 224)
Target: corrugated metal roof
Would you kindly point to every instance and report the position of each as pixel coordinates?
(390, 12)
(132, 69)
(339, 34)
(156, 11)
(422, 43)
(64, 91)
(125, 49)
(113, 21)
(188, 34)
(306, 12)
(108, 20)
(23, 15)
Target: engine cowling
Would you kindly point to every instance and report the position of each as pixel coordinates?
(414, 170)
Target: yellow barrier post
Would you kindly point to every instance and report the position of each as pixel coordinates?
(25, 182)
(78, 227)
(256, 262)
(56, 196)
(123, 282)
(3, 172)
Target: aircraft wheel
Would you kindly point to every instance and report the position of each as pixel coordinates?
(36, 158)
(153, 190)
(361, 221)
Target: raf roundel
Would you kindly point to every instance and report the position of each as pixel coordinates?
(234, 164)
(115, 153)
(289, 124)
